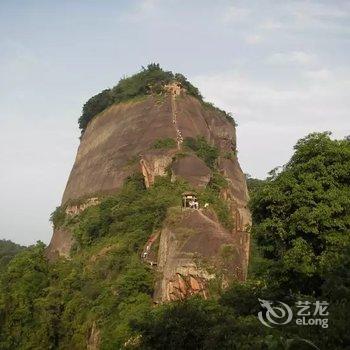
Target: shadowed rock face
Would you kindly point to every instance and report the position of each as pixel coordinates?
(192, 169)
(194, 250)
(110, 147)
(60, 245)
(114, 141)
(119, 142)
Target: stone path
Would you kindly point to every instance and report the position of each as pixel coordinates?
(147, 254)
(179, 137)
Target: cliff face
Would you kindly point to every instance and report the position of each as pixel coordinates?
(119, 142)
(116, 140)
(196, 251)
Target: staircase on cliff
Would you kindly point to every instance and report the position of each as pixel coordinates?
(175, 90)
(110, 151)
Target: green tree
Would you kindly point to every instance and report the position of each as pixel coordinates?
(302, 214)
(8, 250)
(95, 105)
(150, 80)
(203, 150)
(21, 285)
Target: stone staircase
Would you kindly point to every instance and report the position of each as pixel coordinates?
(147, 255)
(179, 137)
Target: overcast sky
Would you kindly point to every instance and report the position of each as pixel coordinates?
(280, 67)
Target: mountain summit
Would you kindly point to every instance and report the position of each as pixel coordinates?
(154, 129)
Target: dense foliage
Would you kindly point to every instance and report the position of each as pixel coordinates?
(253, 184)
(58, 217)
(203, 150)
(198, 324)
(49, 306)
(149, 80)
(301, 251)
(8, 250)
(302, 231)
(134, 210)
(55, 305)
(165, 143)
(302, 215)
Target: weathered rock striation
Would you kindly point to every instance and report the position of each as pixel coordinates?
(119, 142)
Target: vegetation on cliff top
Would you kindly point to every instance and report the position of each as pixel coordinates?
(150, 80)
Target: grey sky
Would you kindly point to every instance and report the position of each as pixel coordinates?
(281, 68)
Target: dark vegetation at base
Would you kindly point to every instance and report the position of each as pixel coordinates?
(8, 250)
(254, 184)
(150, 80)
(301, 252)
(47, 306)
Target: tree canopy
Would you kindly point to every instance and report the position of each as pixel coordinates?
(302, 215)
(149, 80)
(300, 251)
(8, 250)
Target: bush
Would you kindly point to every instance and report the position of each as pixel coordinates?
(150, 80)
(134, 210)
(197, 324)
(203, 150)
(217, 182)
(94, 106)
(253, 184)
(164, 143)
(302, 215)
(228, 116)
(58, 217)
(220, 207)
(8, 250)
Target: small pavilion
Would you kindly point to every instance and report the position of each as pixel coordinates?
(189, 200)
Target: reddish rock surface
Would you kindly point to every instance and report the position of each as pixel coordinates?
(114, 141)
(192, 169)
(60, 245)
(193, 251)
(119, 141)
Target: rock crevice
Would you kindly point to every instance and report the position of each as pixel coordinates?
(120, 142)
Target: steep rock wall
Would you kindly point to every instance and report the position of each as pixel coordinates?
(120, 141)
(195, 249)
(113, 142)
(110, 147)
